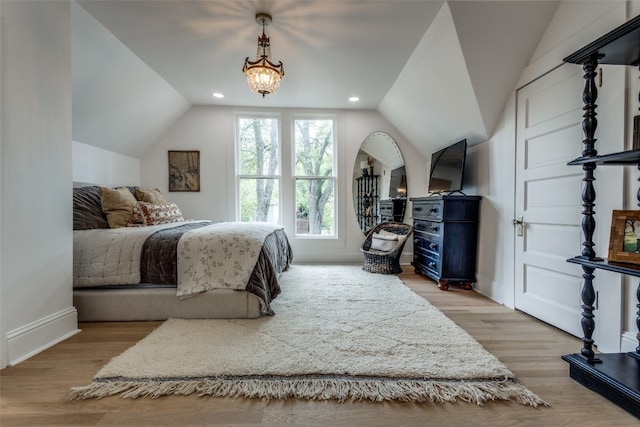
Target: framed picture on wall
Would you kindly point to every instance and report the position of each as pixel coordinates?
(184, 170)
(624, 241)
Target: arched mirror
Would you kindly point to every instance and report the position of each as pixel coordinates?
(379, 182)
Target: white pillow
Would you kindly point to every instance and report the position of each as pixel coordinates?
(386, 241)
(387, 234)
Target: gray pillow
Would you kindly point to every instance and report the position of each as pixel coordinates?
(87, 208)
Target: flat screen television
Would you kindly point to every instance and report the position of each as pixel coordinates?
(447, 168)
(398, 183)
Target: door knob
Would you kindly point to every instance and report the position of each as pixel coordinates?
(519, 223)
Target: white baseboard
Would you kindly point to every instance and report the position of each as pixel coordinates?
(406, 257)
(629, 342)
(31, 339)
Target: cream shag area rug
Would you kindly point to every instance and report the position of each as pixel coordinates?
(338, 333)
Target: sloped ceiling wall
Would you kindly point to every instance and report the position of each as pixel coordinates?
(457, 81)
(432, 102)
(492, 76)
(454, 85)
(119, 103)
(331, 49)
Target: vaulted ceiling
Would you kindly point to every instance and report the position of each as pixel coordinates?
(438, 71)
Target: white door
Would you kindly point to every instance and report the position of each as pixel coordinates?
(549, 198)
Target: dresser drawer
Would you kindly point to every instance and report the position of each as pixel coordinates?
(428, 261)
(446, 208)
(427, 209)
(426, 242)
(386, 205)
(430, 227)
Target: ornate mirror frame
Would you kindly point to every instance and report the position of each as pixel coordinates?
(379, 182)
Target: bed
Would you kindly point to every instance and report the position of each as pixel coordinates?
(160, 265)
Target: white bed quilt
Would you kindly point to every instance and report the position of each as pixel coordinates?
(219, 256)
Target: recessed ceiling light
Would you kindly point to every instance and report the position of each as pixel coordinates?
(218, 95)
(354, 99)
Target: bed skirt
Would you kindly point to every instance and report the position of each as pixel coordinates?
(100, 305)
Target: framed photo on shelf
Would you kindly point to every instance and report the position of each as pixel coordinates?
(624, 241)
(184, 170)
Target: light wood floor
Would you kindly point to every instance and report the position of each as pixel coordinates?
(33, 392)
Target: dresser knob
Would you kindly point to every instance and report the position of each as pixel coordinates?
(432, 245)
(433, 228)
(433, 210)
(432, 265)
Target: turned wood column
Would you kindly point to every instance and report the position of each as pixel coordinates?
(638, 320)
(589, 126)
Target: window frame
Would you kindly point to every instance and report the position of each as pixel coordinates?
(237, 161)
(334, 176)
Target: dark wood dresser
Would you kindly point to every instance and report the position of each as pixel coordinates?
(392, 210)
(446, 238)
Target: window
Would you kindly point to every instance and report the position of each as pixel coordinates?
(314, 176)
(309, 179)
(259, 168)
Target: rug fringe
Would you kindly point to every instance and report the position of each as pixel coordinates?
(342, 390)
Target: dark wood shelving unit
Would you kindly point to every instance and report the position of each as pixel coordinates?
(624, 158)
(367, 203)
(615, 376)
(617, 47)
(617, 267)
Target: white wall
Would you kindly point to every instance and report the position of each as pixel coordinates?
(93, 165)
(119, 102)
(36, 302)
(490, 173)
(492, 163)
(211, 130)
(4, 354)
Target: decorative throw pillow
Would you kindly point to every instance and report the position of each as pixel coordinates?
(117, 204)
(386, 241)
(150, 196)
(136, 219)
(159, 214)
(391, 236)
(87, 209)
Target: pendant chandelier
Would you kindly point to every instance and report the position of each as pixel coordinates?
(263, 76)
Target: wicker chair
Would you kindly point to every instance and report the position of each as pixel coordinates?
(384, 262)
